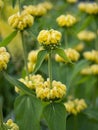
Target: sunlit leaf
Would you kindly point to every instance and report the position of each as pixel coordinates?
(40, 58)
(8, 39)
(19, 84)
(62, 54)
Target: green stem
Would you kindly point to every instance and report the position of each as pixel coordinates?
(50, 69)
(19, 6)
(1, 115)
(24, 53)
(66, 38)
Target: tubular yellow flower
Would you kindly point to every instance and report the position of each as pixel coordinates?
(72, 1)
(66, 20)
(82, 6)
(72, 54)
(4, 58)
(21, 21)
(32, 56)
(44, 92)
(91, 55)
(75, 106)
(37, 10)
(12, 125)
(86, 35)
(30, 82)
(49, 38)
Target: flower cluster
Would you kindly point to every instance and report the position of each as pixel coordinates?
(91, 55)
(38, 10)
(49, 38)
(31, 82)
(86, 35)
(4, 58)
(75, 106)
(32, 58)
(66, 20)
(72, 1)
(44, 92)
(72, 54)
(90, 70)
(79, 47)
(11, 125)
(90, 8)
(21, 21)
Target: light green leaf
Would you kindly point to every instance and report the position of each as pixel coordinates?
(55, 115)
(40, 58)
(8, 39)
(28, 112)
(62, 54)
(19, 84)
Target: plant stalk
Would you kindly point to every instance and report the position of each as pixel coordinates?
(24, 53)
(1, 115)
(50, 69)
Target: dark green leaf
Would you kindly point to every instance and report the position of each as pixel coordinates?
(14, 3)
(28, 112)
(62, 54)
(19, 84)
(40, 58)
(55, 115)
(81, 122)
(8, 39)
(92, 114)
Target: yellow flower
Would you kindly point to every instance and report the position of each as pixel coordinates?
(4, 58)
(44, 92)
(49, 37)
(86, 71)
(90, 70)
(30, 82)
(90, 8)
(72, 54)
(66, 20)
(72, 1)
(91, 55)
(37, 10)
(47, 5)
(32, 56)
(82, 6)
(12, 125)
(94, 69)
(86, 35)
(75, 106)
(79, 47)
(21, 21)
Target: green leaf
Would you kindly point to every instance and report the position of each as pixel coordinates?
(81, 122)
(40, 58)
(8, 39)
(14, 3)
(19, 84)
(62, 54)
(55, 115)
(28, 112)
(92, 114)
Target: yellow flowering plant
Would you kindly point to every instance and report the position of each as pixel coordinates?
(54, 73)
